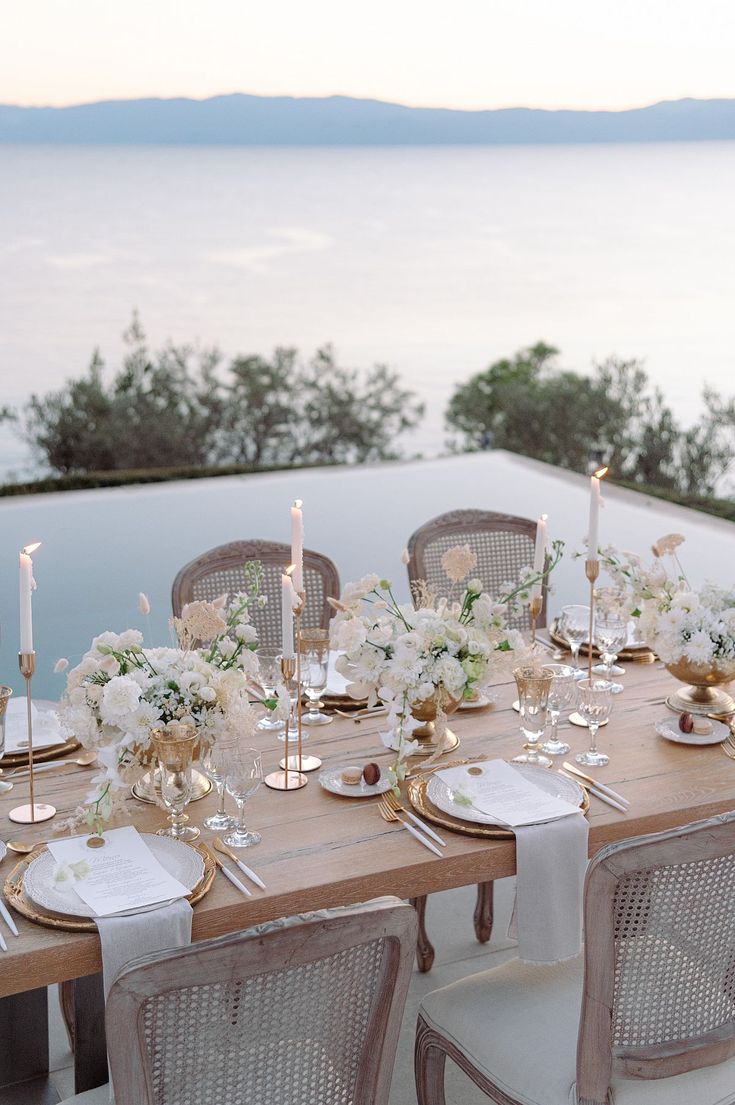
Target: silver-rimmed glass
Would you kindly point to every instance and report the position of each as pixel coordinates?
(561, 695)
(574, 627)
(269, 662)
(594, 703)
(244, 774)
(212, 760)
(611, 635)
(314, 672)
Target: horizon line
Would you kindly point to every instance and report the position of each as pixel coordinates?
(364, 99)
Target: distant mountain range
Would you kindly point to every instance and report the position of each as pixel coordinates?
(241, 120)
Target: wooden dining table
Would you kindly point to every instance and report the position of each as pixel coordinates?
(320, 850)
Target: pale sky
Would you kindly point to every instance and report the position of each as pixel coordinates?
(453, 53)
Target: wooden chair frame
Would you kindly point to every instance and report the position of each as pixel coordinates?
(236, 553)
(246, 955)
(463, 523)
(597, 1060)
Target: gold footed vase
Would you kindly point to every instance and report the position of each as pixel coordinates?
(148, 787)
(425, 734)
(703, 695)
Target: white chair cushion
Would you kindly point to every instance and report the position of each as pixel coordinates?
(100, 1096)
(517, 1024)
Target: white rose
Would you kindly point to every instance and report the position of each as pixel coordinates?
(120, 697)
(207, 694)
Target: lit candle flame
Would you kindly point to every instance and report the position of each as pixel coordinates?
(298, 503)
(31, 548)
(291, 569)
(601, 472)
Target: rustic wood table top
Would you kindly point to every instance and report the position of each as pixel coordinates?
(319, 850)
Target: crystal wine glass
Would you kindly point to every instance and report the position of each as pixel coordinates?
(174, 747)
(314, 670)
(269, 662)
(533, 692)
(574, 627)
(561, 693)
(594, 703)
(213, 763)
(244, 774)
(611, 634)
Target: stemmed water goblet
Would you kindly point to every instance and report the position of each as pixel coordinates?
(611, 634)
(213, 763)
(269, 662)
(243, 776)
(594, 703)
(574, 627)
(533, 685)
(561, 693)
(174, 747)
(314, 670)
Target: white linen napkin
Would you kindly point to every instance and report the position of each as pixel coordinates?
(126, 938)
(551, 861)
(46, 727)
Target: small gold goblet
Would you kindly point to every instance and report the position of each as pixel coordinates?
(174, 747)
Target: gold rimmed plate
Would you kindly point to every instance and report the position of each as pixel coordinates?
(40, 755)
(419, 799)
(16, 896)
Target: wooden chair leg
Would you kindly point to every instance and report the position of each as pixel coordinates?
(429, 1061)
(424, 947)
(484, 912)
(66, 1002)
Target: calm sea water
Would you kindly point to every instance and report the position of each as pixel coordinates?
(435, 261)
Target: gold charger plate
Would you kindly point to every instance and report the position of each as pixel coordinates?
(642, 654)
(40, 755)
(16, 897)
(422, 805)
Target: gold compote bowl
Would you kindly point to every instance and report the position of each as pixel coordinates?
(703, 694)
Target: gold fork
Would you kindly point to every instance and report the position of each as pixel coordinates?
(395, 804)
(390, 815)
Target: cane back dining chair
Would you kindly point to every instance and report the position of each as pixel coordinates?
(222, 570)
(650, 1006)
(302, 1010)
(503, 545)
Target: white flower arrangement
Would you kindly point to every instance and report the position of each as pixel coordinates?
(122, 691)
(679, 622)
(441, 648)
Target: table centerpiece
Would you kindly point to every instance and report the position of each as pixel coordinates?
(422, 659)
(691, 629)
(122, 692)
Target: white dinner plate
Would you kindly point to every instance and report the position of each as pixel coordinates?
(442, 796)
(331, 780)
(668, 728)
(179, 859)
(479, 703)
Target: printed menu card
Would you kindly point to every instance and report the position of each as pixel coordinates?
(496, 789)
(123, 874)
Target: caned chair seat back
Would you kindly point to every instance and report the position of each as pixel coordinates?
(502, 543)
(222, 570)
(659, 990)
(305, 1010)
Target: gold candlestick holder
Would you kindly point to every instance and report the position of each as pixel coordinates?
(299, 762)
(35, 811)
(534, 609)
(592, 570)
(288, 778)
